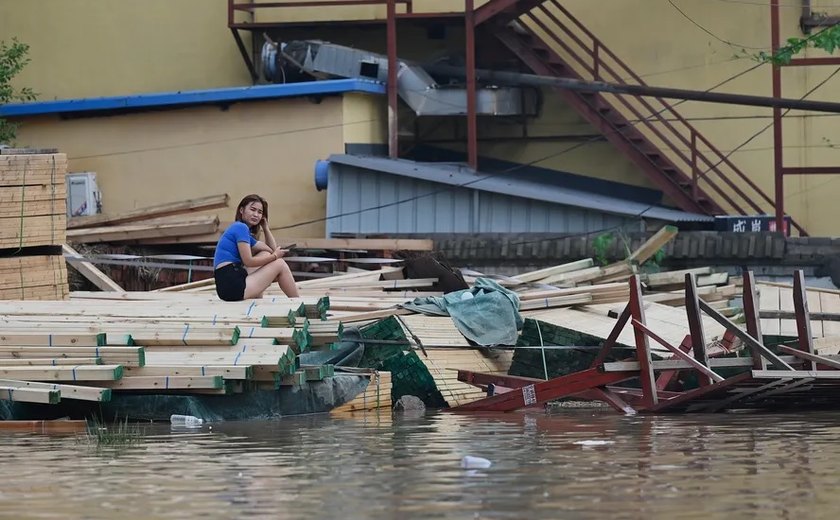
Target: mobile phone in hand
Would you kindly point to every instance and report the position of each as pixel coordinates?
(290, 246)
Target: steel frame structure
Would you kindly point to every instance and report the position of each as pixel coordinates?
(768, 380)
(807, 22)
(678, 174)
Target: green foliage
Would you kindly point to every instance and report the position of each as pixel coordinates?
(13, 58)
(601, 246)
(828, 40)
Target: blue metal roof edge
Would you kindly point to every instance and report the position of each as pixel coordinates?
(460, 176)
(192, 97)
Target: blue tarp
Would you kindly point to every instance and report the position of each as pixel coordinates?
(487, 313)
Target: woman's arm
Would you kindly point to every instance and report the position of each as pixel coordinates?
(269, 238)
(250, 260)
(259, 247)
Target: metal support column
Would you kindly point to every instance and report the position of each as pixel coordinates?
(778, 157)
(472, 119)
(391, 30)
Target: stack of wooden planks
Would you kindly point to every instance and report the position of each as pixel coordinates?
(149, 225)
(125, 345)
(376, 396)
(32, 215)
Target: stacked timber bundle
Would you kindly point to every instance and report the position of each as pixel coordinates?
(149, 225)
(102, 346)
(32, 224)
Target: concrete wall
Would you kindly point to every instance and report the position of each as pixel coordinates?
(151, 158)
(90, 48)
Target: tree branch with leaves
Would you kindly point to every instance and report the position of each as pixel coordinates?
(827, 39)
(13, 58)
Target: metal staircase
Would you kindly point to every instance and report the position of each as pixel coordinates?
(678, 159)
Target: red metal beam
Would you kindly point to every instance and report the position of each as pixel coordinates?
(310, 3)
(803, 320)
(611, 339)
(484, 379)
(695, 325)
(637, 311)
(391, 31)
(811, 170)
(778, 157)
(492, 8)
(666, 376)
(545, 391)
(704, 369)
(751, 315)
(805, 62)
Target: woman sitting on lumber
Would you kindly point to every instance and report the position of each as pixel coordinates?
(244, 266)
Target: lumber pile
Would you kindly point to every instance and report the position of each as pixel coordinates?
(32, 214)
(145, 225)
(377, 395)
(33, 209)
(87, 349)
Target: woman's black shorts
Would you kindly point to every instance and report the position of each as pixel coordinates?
(230, 282)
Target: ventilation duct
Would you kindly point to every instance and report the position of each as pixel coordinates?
(415, 86)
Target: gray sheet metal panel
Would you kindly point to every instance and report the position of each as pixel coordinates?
(440, 208)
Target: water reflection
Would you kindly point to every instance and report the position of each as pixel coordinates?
(574, 464)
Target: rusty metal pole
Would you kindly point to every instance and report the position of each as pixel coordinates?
(695, 326)
(751, 316)
(472, 118)
(778, 157)
(391, 34)
(803, 317)
(637, 311)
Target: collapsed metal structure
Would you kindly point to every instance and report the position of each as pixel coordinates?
(798, 378)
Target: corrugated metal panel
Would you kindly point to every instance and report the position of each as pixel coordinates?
(440, 208)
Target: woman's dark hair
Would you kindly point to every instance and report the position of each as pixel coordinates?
(244, 202)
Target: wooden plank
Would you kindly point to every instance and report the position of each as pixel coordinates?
(532, 276)
(830, 304)
(673, 277)
(19, 362)
(52, 340)
(165, 383)
(225, 371)
(652, 245)
(796, 374)
(786, 327)
(161, 210)
(75, 373)
(32, 231)
(40, 208)
(768, 300)
(812, 358)
(81, 393)
(140, 231)
(29, 395)
(90, 271)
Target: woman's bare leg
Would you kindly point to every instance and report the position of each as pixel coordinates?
(286, 281)
(260, 279)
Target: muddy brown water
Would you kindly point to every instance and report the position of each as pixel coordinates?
(569, 464)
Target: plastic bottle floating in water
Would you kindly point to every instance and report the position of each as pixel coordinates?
(470, 462)
(188, 421)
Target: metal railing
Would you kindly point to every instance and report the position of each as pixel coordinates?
(655, 118)
(253, 6)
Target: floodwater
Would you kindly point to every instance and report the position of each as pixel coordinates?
(569, 464)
